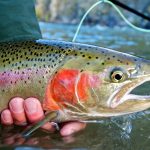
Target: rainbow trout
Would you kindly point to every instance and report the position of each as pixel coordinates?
(73, 81)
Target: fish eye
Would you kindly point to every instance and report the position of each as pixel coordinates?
(118, 75)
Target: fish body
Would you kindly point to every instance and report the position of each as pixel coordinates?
(78, 81)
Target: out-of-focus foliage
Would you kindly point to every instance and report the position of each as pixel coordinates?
(71, 11)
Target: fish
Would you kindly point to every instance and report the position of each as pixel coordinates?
(73, 81)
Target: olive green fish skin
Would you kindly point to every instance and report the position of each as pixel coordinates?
(26, 68)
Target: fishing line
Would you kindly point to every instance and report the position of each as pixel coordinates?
(134, 11)
(119, 12)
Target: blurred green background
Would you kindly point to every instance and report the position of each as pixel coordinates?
(71, 11)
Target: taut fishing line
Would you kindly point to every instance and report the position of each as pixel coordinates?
(116, 8)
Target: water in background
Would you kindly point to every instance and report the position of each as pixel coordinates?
(131, 132)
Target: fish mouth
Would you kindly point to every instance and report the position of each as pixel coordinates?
(124, 102)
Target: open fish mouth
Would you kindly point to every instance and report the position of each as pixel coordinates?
(123, 101)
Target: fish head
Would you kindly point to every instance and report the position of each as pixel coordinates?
(118, 74)
(98, 82)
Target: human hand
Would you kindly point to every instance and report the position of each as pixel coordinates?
(23, 112)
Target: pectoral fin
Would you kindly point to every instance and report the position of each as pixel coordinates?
(49, 117)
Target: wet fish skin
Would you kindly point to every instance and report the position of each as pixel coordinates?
(27, 68)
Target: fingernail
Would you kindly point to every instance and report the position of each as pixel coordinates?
(16, 105)
(31, 106)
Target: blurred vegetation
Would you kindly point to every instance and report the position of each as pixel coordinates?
(71, 11)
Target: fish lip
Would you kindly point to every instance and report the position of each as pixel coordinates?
(113, 102)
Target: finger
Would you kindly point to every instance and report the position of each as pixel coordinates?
(17, 111)
(6, 117)
(33, 109)
(9, 140)
(71, 128)
(49, 127)
(68, 139)
(32, 141)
